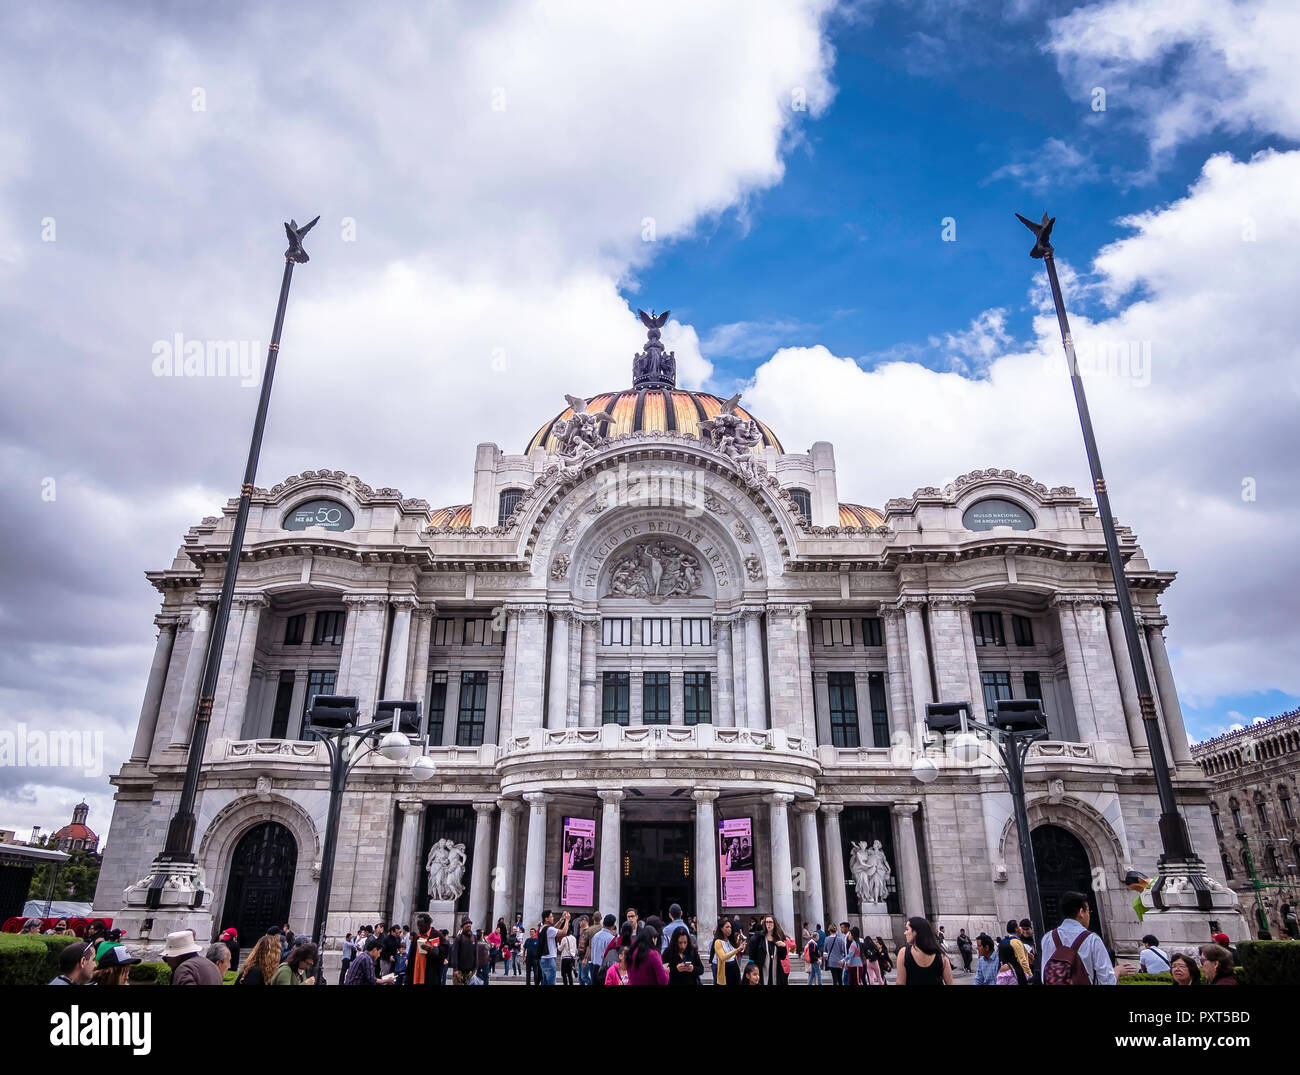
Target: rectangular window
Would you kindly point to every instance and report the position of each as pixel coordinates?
(616, 632)
(697, 698)
(615, 697)
(437, 707)
(837, 632)
(293, 629)
(478, 632)
(329, 629)
(656, 632)
(444, 631)
(996, 685)
(697, 632)
(1023, 629)
(879, 709)
(844, 708)
(1034, 687)
(872, 635)
(1262, 810)
(988, 628)
(1286, 808)
(473, 709)
(283, 706)
(317, 683)
(655, 705)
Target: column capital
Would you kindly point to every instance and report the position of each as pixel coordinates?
(1060, 600)
(609, 797)
(911, 602)
(485, 808)
(565, 613)
(904, 809)
(404, 602)
(509, 806)
(832, 809)
(951, 602)
(747, 616)
(588, 620)
(518, 608)
(889, 612)
(705, 795)
(790, 608)
(806, 806)
(411, 807)
(250, 600)
(779, 799)
(536, 798)
(361, 601)
(424, 610)
(165, 620)
(1152, 621)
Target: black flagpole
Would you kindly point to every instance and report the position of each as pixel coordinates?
(180, 833)
(1174, 837)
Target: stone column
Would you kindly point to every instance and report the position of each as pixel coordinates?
(509, 660)
(530, 663)
(558, 693)
(918, 661)
(363, 642)
(895, 664)
(200, 626)
(503, 889)
(1084, 717)
(706, 863)
(786, 667)
(814, 903)
(297, 705)
(911, 895)
(153, 691)
(954, 651)
(480, 878)
(1127, 683)
(535, 859)
(739, 702)
(782, 891)
(755, 689)
(408, 852)
(417, 664)
(399, 644)
(726, 691)
(838, 905)
(1175, 731)
(231, 696)
(611, 852)
(588, 717)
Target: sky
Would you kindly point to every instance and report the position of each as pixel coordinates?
(821, 193)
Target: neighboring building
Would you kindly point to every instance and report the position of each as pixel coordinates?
(655, 622)
(7, 836)
(75, 836)
(1255, 805)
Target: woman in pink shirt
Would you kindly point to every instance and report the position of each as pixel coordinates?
(617, 974)
(644, 964)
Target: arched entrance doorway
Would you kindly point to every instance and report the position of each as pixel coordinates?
(260, 888)
(1063, 866)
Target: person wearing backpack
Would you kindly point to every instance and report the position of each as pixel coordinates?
(812, 956)
(1072, 954)
(1153, 958)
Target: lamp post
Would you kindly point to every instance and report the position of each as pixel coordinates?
(177, 855)
(1178, 856)
(332, 720)
(1016, 725)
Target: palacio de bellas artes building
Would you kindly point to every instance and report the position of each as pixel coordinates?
(658, 660)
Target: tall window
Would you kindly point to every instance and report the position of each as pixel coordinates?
(293, 628)
(437, 707)
(444, 631)
(614, 698)
(616, 632)
(478, 632)
(1261, 809)
(1284, 798)
(329, 629)
(283, 706)
(1235, 807)
(506, 504)
(697, 698)
(1274, 867)
(879, 709)
(803, 501)
(655, 705)
(1214, 816)
(1022, 627)
(473, 709)
(1227, 868)
(988, 628)
(697, 631)
(872, 635)
(656, 632)
(837, 632)
(1034, 687)
(317, 683)
(996, 685)
(844, 709)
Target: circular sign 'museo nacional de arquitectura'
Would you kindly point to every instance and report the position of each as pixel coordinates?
(654, 672)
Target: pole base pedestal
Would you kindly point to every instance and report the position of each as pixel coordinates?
(173, 896)
(1186, 905)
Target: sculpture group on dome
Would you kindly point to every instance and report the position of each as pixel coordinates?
(734, 436)
(653, 367)
(580, 433)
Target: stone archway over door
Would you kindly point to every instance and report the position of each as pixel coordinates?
(259, 889)
(1063, 866)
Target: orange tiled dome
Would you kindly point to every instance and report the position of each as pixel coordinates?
(858, 515)
(457, 515)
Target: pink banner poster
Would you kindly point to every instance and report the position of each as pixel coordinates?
(736, 861)
(578, 871)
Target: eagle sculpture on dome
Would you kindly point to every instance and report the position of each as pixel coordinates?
(651, 321)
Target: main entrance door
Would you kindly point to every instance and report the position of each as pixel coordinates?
(1062, 863)
(658, 869)
(260, 888)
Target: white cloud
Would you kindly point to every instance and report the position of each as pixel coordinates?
(1216, 406)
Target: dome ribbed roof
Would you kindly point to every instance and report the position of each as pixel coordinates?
(858, 515)
(457, 515)
(654, 410)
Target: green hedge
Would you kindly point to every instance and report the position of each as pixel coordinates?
(149, 974)
(1163, 978)
(30, 959)
(1268, 963)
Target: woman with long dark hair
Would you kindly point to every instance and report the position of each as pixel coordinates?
(262, 962)
(1010, 972)
(296, 968)
(684, 966)
(919, 960)
(644, 964)
(727, 953)
(768, 951)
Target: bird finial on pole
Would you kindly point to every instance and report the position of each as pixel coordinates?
(295, 233)
(1042, 232)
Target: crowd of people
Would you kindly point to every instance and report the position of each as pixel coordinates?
(597, 951)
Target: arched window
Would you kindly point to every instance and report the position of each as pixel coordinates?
(1284, 799)
(803, 501)
(1274, 867)
(1227, 867)
(1235, 807)
(509, 500)
(1214, 816)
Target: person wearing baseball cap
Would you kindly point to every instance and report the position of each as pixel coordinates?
(114, 964)
(1221, 939)
(230, 938)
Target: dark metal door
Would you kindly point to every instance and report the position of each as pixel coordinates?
(1063, 866)
(260, 890)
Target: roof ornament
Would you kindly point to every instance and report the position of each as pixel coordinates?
(580, 433)
(653, 367)
(734, 436)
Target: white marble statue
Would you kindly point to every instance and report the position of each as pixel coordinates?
(580, 433)
(734, 436)
(871, 871)
(446, 867)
